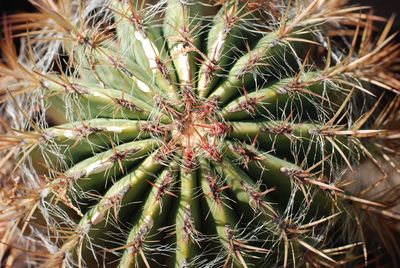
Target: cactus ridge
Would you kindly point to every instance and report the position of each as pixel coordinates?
(184, 134)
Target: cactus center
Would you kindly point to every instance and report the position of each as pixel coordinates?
(196, 129)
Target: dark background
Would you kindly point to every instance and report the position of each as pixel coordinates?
(383, 7)
(14, 6)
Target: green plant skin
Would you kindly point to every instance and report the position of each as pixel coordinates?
(186, 139)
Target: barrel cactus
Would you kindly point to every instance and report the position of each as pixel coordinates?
(197, 134)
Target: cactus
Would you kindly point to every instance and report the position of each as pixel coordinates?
(191, 134)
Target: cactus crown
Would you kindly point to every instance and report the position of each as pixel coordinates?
(187, 134)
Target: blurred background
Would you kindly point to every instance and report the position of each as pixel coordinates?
(382, 7)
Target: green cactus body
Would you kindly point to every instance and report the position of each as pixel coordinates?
(188, 138)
